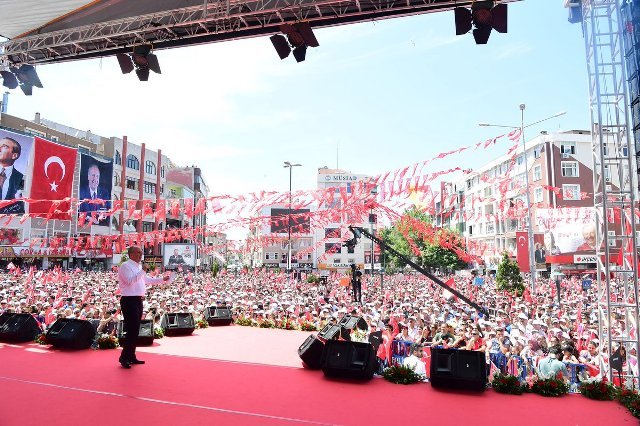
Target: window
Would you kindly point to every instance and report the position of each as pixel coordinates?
(607, 173)
(336, 260)
(116, 179)
(267, 256)
(173, 193)
(537, 195)
(331, 248)
(520, 159)
(351, 250)
(118, 158)
(569, 168)
(132, 183)
(612, 238)
(568, 148)
(536, 152)
(133, 162)
(147, 226)
(149, 188)
(332, 233)
(537, 173)
(162, 189)
(351, 261)
(150, 167)
(162, 171)
(275, 255)
(571, 192)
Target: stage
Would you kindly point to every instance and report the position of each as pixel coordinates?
(247, 376)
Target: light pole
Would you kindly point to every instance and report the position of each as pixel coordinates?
(290, 166)
(532, 262)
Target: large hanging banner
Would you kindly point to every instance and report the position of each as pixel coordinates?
(94, 190)
(179, 257)
(53, 168)
(567, 230)
(15, 151)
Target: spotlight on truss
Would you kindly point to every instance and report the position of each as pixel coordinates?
(299, 36)
(482, 17)
(24, 76)
(141, 59)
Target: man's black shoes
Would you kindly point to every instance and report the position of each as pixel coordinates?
(125, 364)
(136, 361)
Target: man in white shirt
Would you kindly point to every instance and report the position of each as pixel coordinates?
(414, 361)
(132, 281)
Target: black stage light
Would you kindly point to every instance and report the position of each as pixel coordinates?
(26, 74)
(125, 63)
(280, 44)
(9, 80)
(484, 16)
(143, 74)
(299, 36)
(27, 89)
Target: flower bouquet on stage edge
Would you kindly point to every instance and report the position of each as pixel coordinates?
(503, 383)
(401, 375)
(107, 341)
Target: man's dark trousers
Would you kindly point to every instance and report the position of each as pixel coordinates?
(131, 307)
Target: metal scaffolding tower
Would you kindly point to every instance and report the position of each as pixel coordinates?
(615, 185)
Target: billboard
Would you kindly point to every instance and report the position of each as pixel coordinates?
(300, 221)
(15, 152)
(567, 230)
(177, 257)
(95, 184)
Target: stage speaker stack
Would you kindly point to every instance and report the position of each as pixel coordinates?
(330, 332)
(348, 323)
(346, 359)
(458, 369)
(216, 315)
(145, 333)
(178, 324)
(71, 333)
(18, 328)
(310, 352)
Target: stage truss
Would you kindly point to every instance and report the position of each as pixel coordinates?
(615, 181)
(206, 23)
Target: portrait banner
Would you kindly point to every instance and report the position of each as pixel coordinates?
(179, 257)
(15, 153)
(94, 190)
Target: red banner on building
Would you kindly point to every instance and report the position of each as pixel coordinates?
(53, 168)
(522, 253)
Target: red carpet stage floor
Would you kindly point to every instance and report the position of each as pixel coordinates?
(247, 376)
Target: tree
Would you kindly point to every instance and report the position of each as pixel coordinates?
(124, 256)
(431, 254)
(508, 277)
(215, 268)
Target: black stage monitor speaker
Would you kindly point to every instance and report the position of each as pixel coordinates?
(19, 328)
(218, 315)
(5, 317)
(178, 324)
(349, 323)
(458, 369)
(330, 332)
(310, 352)
(71, 333)
(145, 333)
(346, 359)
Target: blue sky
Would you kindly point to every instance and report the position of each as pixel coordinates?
(387, 94)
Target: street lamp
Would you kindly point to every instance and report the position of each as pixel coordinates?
(532, 262)
(290, 166)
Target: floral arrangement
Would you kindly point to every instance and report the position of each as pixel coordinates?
(244, 321)
(503, 383)
(41, 339)
(287, 324)
(158, 333)
(308, 326)
(598, 389)
(107, 341)
(267, 324)
(630, 399)
(358, 335)
(550, 387)
(401, 375)
(202, 323)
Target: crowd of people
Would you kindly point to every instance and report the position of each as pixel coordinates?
(406, 307)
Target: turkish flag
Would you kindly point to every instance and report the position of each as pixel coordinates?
(53, 168)
(522, 256)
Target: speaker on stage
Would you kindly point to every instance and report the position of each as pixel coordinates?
(346, 359)
(458, 369)
(349, 323)
(145, 333)
(18, 328)
(178, 324)
(310, 352)
(71, 333)
(216, 315)
(330, 332)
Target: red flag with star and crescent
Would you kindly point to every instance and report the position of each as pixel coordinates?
(53, 168)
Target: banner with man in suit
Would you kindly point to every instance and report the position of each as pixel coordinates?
(94, 191)
(15, 152)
